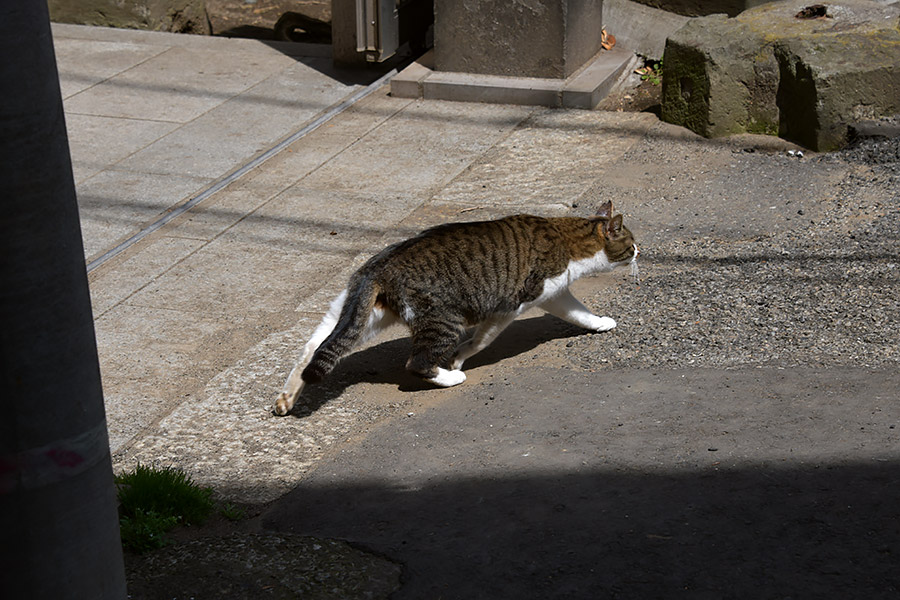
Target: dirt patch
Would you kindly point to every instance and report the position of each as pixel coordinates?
(254, 565)
(640, 96)
(257, 18)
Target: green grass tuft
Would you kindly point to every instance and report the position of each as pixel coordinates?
(761, 127)
(652, 72)
(232, 512)
(152, 501)
(145, 531)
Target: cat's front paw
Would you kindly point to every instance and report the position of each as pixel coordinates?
(603, 324)
(283, 404)
(446, 378)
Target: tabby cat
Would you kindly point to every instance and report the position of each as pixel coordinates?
(456, 275)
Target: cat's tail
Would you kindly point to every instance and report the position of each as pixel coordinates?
(351, 326)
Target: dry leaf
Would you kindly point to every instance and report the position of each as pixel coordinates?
(607, 40)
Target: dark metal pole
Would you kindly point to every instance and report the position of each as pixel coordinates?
(59, 534)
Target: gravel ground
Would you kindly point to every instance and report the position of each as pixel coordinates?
(810, 276)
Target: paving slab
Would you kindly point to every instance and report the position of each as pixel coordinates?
(549, 159)
(238, 127)
(94, 148)
(424, 155)
(83, 63)
(152, 359)
(158, 90)
(115, 202)
(111, 287)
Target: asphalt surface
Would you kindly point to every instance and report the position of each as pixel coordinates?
(541, 483)
(735, 436)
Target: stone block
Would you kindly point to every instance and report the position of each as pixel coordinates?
(640, 28)
(178, 16)
(589, 86)
(492, 89)
(827, 86)
(720, 78)
(408, 83)
(538, 38)
(698, 8)
(766, 71)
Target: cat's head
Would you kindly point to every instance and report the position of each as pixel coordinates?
(619, 242)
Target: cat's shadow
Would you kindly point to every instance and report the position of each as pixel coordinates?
(384, 362)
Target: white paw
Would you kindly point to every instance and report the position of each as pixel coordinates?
(283, 404)
(603, 324)
(446, 378)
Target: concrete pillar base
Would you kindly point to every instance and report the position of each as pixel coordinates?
(583, 89)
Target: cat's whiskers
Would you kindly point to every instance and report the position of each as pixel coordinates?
(634, 265)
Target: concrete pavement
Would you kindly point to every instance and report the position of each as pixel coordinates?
(200, 320)
(154, 119)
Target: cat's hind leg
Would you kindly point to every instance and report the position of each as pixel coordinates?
(379, 319)
(434, 342)
(568, 308)
(484, 335)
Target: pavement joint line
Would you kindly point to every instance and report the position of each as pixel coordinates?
(340, 152)
(223, 182)
(111, 77)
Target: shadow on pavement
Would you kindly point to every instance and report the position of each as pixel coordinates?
(385, 362)
(757, 532)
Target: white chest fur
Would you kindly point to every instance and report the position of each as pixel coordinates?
(576, 269)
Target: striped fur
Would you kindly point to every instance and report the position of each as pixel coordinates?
(453, 276)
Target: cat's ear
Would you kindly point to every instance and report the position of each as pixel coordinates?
(605, 211)
(614, 227)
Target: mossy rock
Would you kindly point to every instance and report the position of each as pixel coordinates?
(765, 70)
(719, 78)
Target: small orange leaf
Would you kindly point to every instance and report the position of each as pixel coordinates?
(607, 40)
